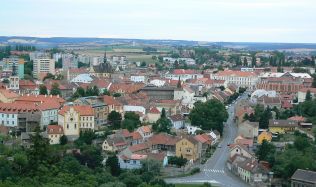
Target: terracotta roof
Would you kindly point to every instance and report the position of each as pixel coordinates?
(202, 138)
(176, 117)
(27, 84)
(15, 108)
(146, 129)
(233, 73)
(8, 94)
(55, 129)
(136, 135)
(138, 157)
(109, 100)
(183, 71)
(40, 98)
(82, 110)
(286, 104)
(156, 156)
(163, 139)
(154, 110)
(138, 147)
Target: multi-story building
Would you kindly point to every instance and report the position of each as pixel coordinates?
(20, 115)
(54, 132)
(239, 78)
(74, 119)
(9, 63)
(303, 178)
(285, 83)
(69, 61)
(42, 66)
(189, 148)
(98, 106)
(183, 75)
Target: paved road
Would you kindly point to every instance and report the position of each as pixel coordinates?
(215, 170)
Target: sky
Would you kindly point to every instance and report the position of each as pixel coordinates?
(289, 21)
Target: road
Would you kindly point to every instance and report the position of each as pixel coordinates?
(214, 170)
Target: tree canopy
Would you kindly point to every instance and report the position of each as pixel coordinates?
(209, 115)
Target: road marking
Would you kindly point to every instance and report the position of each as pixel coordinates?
(214, 170)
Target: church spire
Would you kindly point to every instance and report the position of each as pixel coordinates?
(104, 58)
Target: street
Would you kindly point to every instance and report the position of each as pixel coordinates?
(214, 170)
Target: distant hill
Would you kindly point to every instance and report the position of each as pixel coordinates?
(64, 41)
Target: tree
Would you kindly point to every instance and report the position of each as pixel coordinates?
(209, 115)
(163, 124)
(106, 92)
(131, 121)
(115, 118)
(308, 96)
(39, 151)
(113, 164)
(55, 89)
(117, 95)
(86, 137)
(265, 151)
(43, 90)
(178, 161)
(63, 140)
(264, 118)
(143, 64)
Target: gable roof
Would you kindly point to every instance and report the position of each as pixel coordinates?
(55, 129)
(154, 110)
(83, 110)
(304, 175)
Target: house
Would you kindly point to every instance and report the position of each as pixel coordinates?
(241, 150)
(205, 140)
(54, 132)
(171, 106)
(82, 78)
(112, 104)
(177, 121)
(137, 138)
(282, 126)
(132, 161)
(303, 178)
(247, 142)
(114, 143)
(248, 129)
(189, 148)
(161, 157)
(74, 119)
(163, 142)
(145, 131)
(271, 102)
(264, 136)
(153, 115)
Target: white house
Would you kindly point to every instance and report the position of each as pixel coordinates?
(177, 121)
(131, 162)
(158, 82)
(192, 129)
(183, 75)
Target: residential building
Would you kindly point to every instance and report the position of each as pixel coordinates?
(183, 74)
(239, 78)
(12, 63)
(177, 121)
(145, 131)
(82, 78)
(131, 162)
(163, 142)
(54, 132)
(42, 66)
(248, 129)
(303, 178)
(74, 119)
(69, 61)
(137, 78)
(282, 126)
(189, 148)
(153, 115)
(154, 92)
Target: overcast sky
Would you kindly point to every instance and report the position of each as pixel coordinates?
(203, 20)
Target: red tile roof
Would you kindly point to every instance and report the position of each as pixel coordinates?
(136, 135)
(55, 129)
(82, 110)
(8, 94)
(154, 110)
(15, 108)
(163, 139)
(138, 147)
(109, 100)
(297, 118)
(40, 98)
(234, 73)
(183, 71)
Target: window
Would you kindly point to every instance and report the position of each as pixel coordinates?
(75, 126)
(67, 126)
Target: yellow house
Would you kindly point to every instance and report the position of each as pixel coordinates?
(282, 126)
(188, 148)
(264, 136)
